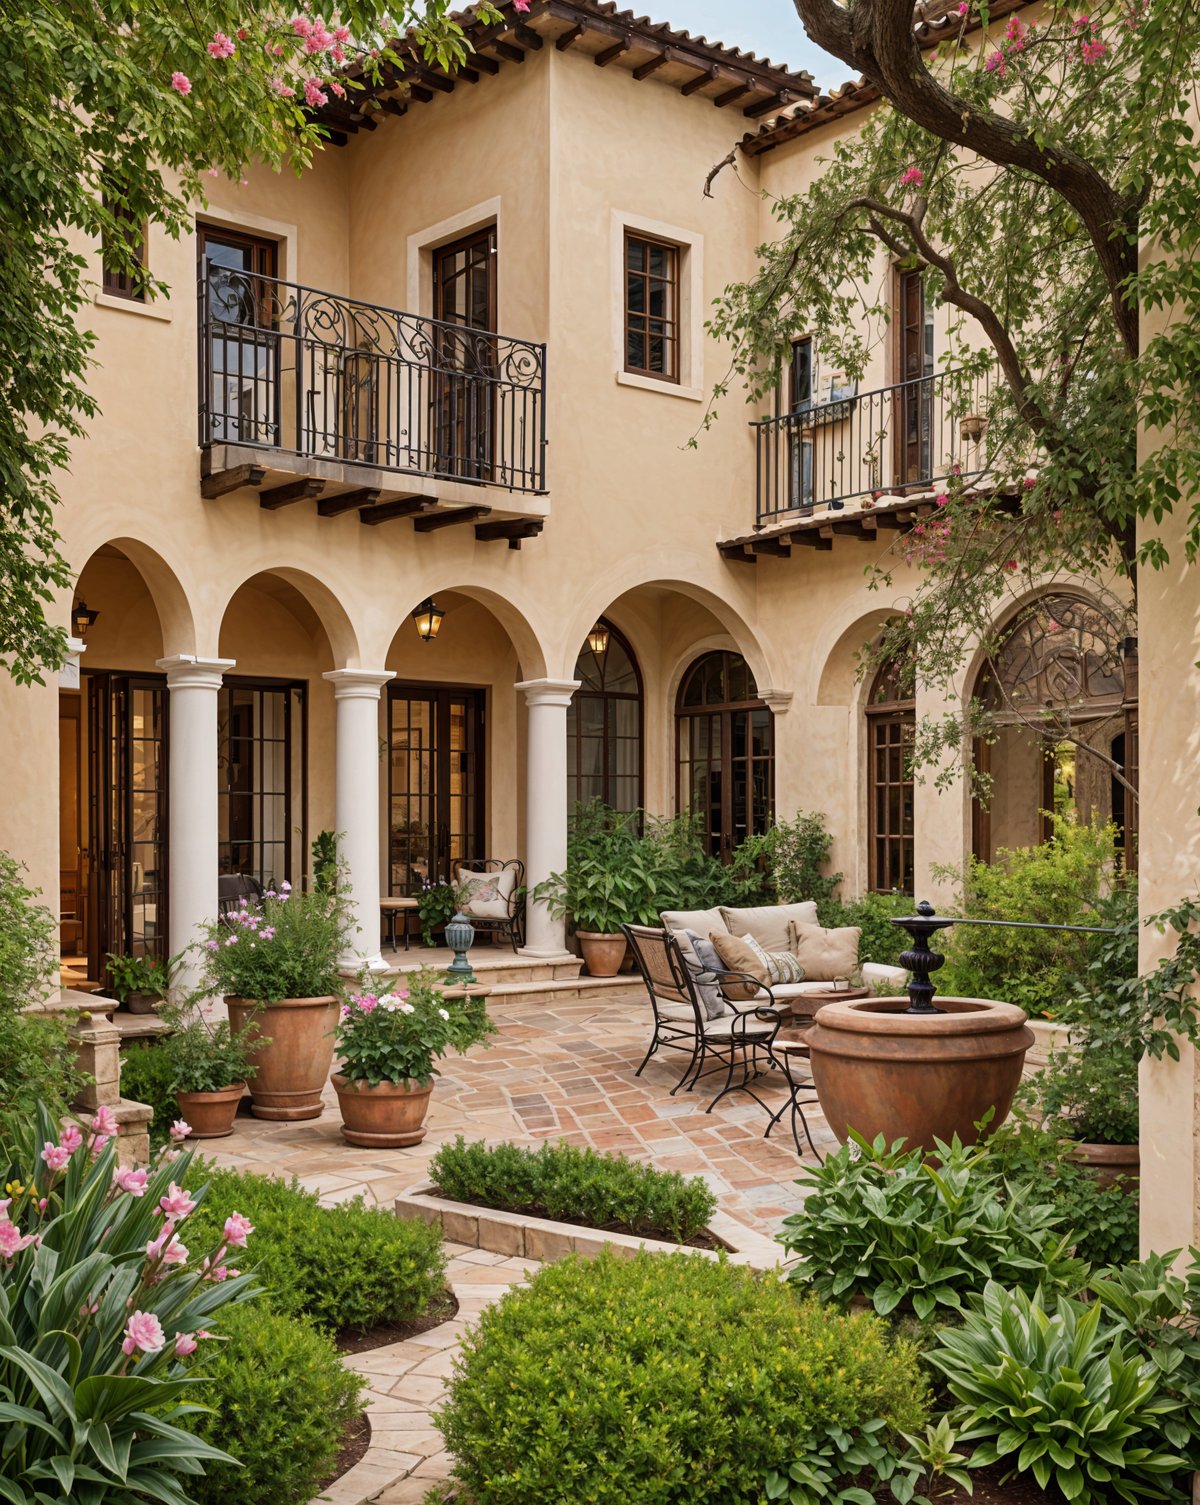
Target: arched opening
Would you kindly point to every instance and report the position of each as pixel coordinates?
(724, 751)
(891, 712)
(1062, 723)
(604, 723)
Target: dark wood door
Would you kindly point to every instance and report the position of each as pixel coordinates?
(127, 817)
(242, 347)
(463, 387)
(435, 784)
(914, 365)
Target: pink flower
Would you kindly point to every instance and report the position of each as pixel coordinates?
(280, 88)
(941, 499)
(181, 83)
(180, 1129)
(56, 1156)
(237, 1230)
(314, 95)
(1011, 566)
(302, 26)
(995, 63)
(963, 8)
(341, 94)
(154, 1249)
(143, 1331)
(912, 175)
(221, 46)
(185, 1343)
(12, 1241)
(267, 933)
(104, 1121)
(98, 1143)
(1029, 482)
(218, 1273)
(521, 5)
(175, 1253)
(133, 1182)
(1093, 51)
(176, 1204)
(71, 1139)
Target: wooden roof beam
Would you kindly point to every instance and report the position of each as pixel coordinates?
(701, 81)
(485, 64)
(449, 519)
(530, 39)
(513, 530)
(765, 106)
(303, 490)
(644, 70)
(508, 51)
(222, 482)
(348, 501)
(569, 38)
(406, 506)
(611, 54)
(731, 96)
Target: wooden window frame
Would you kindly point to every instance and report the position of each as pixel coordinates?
(633, 322)
(882, 718)
(115, 282)
(575, 740)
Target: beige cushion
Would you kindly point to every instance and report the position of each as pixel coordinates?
(490, 893)
(877, 975)
(739, 957)
(768, 924)
(825, 955)
(704, 921)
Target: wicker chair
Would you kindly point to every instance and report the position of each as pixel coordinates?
(681, 1023)
(511, 925)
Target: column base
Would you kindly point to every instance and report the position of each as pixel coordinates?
(354, 964)
(536, 954)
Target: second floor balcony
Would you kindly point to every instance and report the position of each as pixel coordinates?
(370, 406)
(897, 440)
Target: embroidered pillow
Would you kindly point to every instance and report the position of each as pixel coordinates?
(488, 893)
(784, 967)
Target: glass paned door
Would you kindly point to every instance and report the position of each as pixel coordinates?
(127, 817)
(726, 752)
(260, 772)
(914, 427)
(242, 348)
(435, 784)
(463, 388)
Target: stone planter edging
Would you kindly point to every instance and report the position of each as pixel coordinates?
(522, 1237)
(1047, 1037)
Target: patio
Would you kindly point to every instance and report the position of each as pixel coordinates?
(562, 1070)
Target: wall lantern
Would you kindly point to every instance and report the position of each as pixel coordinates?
(82, 619)
(598, 639)
(428, 617)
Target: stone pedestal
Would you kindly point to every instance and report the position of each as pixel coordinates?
(98, 1054)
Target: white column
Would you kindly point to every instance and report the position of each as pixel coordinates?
(356, 800)
(545, 806)
(192, 828)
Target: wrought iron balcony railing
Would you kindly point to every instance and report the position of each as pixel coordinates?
(901, 438)
(307, 373)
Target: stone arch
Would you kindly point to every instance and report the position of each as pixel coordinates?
(176, 618)
(524, 636)
(320, 598)
(839, 681)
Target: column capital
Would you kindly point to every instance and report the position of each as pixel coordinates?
(778, 700)
(188, 671)
(358, 684)
(548, 691)
(76, 646)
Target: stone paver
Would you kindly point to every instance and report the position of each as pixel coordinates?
(561, 1070)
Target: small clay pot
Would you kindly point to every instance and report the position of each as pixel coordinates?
(1108, 1161)
(211, 1114)
(602, 953)
(917, 1077)
(387, 1117)
(293, 1065)
(141, 1003)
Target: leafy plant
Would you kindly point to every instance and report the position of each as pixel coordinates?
(610, 877)
(887, 1225)
(661, 1380)
(289, 945)
(1058, 1393)
(28, 933)
(280, 1399)
(146, 1077)
(579, 1185)
(201, 1056)
(837, 1463)
(437, 904)
(872, 913)
(798, 853)
(139, 974)
(101, 1307)
(325, 863)
(397, 1037)
(1061, 882)
(347, 1268)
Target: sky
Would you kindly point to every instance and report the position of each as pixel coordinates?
(770, 28)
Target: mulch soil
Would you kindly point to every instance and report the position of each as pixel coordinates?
(399, 1332)
(989, 1491)
(356, 1439)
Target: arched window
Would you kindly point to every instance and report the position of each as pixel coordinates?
(725, 751)
(1063, 712)
(891, 727)
(604, 723)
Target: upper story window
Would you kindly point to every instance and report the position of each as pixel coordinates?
(128, 241)
(800, 376)
(915, 455)
(651, 307)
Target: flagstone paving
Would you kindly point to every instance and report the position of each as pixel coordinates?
(558, 1070)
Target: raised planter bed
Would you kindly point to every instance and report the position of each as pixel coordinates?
(520, 1236)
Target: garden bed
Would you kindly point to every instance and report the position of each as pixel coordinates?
(356, 1440)
(385, 1333)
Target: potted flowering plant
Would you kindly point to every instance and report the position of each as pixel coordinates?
(278, 964)
(388, 1044)
(210, 1068)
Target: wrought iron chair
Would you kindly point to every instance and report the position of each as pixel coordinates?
(232, 888)
(511, 925)
(682, 1023)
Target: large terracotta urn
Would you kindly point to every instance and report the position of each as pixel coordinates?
(1108, 1162)
(388, 1116)
(602, 953)
(293, 1063)
(879, 1069)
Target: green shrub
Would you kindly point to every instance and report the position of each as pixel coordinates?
(1062, 1394)
(348, 1268)
(147, 1076)
(661, 1380)
(1060, 883)
(281, 1399)
(886, 1225)
(579, 1185)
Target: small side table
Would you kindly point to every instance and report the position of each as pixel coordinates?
(804, 1007)
(388, 910)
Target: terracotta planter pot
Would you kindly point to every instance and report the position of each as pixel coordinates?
(602, 954)
(1108, 1161)
(211, 1114)
(293, 1066)
(916, 1077)
(141, 1003)
(387, 1117)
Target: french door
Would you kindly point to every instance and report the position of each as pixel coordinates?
(725, 752)
(914, 365)
(435, 784)
(127, 816)
(261, 779)
(464, 377)
(242, 351)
